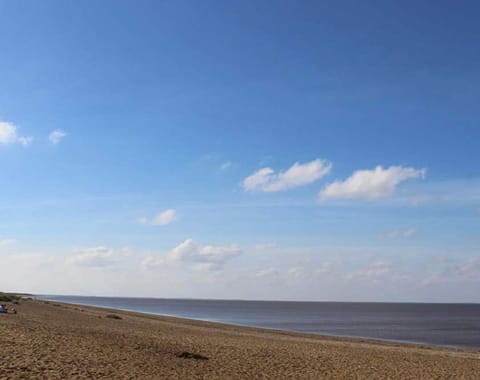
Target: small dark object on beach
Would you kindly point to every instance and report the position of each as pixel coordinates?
(189, 355)
(113, 316)
(15, 302)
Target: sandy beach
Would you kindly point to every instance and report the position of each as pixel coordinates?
(58, 341)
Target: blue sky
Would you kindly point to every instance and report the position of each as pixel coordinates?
(287, 150)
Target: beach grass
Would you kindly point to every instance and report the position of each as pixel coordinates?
(9, 297)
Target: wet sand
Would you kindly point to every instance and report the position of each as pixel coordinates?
(58, 341)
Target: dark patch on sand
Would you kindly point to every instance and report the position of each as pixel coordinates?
(189, 355)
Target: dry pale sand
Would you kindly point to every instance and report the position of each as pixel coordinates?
(59, 341)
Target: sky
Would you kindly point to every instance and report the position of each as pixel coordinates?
(290, 150)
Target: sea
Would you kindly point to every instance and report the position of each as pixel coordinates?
(451, 325)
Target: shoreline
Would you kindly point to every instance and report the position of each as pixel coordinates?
(320, 334)
(246, 300)
(58, 340)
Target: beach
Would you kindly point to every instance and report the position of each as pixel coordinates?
(55, 340)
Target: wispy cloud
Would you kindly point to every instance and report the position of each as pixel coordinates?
(25, 140)
(400, 233)
(9, 135)
(161, 219)
(20, 261)
(297, 272)
(56, 136)
(266, 180)
(370, 184)
(372, 272)
(93, 257)
(226, 165)
(466, 270)
(164, 218)
(265, 246)
(266, 273)
(4, 242)
(469, 270)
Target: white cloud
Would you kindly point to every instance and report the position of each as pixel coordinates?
(93, 257)
(207, 257)
(370, 184)
(266, 180)
(226, 165)
(162, 219)
(399, 233)
(56, 136)
(9, 135)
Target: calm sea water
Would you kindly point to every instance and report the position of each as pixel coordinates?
(456, 325)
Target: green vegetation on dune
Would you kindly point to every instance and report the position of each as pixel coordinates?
(9, 297)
